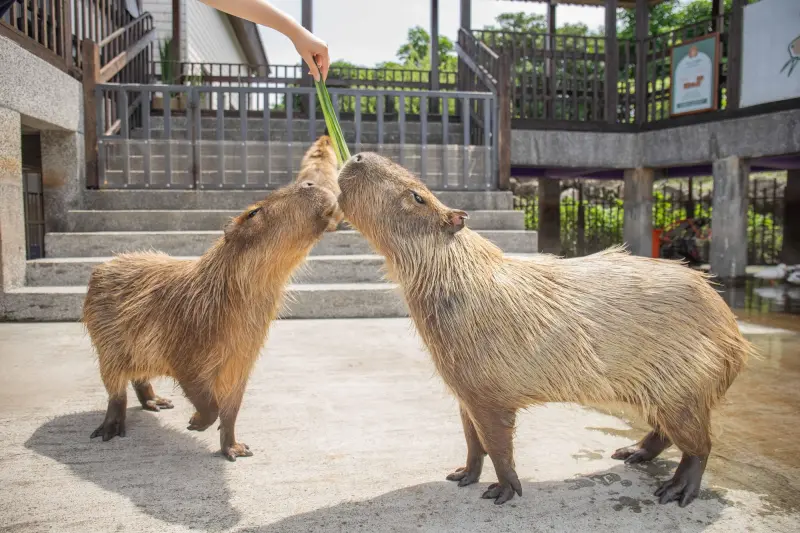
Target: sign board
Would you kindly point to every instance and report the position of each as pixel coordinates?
(770, 52)
(695, 65)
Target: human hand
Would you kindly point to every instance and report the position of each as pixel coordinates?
(314, 52)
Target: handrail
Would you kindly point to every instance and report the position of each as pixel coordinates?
(125, 28)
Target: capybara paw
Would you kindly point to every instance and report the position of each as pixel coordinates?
(465, 476)
(681, 487)
(237, 450)
(500, 493)
(633, 455)
(200, 422)
(158, 403)
(110, 429)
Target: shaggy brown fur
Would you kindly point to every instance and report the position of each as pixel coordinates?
(506, 334)
(201, 322)
(319, 165)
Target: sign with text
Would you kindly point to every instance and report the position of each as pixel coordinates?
(695, 65)
(770, 52)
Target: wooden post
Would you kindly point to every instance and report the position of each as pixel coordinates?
(504, 123)
(66, 33)
(175, 53)
(91, 74)
(466, 14)
(735, 53)
(434, 45)
(717, 10)
(612, 62)
(642, 33)
(307, 16)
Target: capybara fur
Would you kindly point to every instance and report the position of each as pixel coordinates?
(201, 322)
(319, 166)
(506, 334)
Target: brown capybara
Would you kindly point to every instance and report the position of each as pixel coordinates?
(506, 333)
(319, 166)
(201, 322)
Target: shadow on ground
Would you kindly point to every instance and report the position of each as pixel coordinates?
(618, 499)
(168, 474)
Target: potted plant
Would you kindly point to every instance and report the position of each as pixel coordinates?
(170, 75)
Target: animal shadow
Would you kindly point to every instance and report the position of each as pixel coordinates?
(166, 473)
(618, 499)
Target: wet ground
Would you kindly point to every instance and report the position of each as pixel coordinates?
(353, 431)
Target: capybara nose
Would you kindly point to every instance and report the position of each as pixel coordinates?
(307, 184)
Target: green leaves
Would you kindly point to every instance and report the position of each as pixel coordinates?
(334, 129)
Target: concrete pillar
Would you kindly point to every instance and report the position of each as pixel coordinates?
(791, 219)
(729, 218)
(62, 176)
(637, 230)
(549, 234)
(466, 14)
(12, 216)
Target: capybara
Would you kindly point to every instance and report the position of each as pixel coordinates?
(201, 322)
(319, 166)
(506, 333)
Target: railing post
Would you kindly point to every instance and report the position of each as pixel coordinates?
(612, 62)
(735, 53)
(91, 73)
(642, 32)
(504, 122)
(66, 33)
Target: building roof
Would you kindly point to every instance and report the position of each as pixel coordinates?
(627, 4)
(250, 39)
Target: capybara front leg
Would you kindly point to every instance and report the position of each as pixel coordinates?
(470, 473)
(647, 449)
(495, 429)
(148, 397)
(691, 433)
(114, 422)
(206, 409)
(227, 436)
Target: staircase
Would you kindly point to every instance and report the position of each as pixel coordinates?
(342, 279)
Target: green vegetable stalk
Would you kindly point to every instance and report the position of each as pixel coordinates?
(334, 129)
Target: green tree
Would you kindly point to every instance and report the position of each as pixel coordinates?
(415, 53)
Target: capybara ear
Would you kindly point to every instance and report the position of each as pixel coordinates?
(456, 218)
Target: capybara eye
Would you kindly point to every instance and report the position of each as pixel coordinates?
(358, 158)
(418, 198)
(252, 213)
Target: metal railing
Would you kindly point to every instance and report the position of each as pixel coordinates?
(208, 137)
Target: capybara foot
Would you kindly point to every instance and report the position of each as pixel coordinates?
(685, 484)
(501, 493)
(156, 404)
(237, 450)
(110, 429)
(465, 476)
(201, 421)
(633, 455)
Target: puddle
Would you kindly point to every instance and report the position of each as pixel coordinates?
(765, 303)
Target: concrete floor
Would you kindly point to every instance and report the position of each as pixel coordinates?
(353, 431)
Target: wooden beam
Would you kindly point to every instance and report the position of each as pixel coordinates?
(434, 45)
(91, 74)
(118, 63)
(466, 14)
(612, 62)
(307, 16)
(717, 10)
(175, 54)
(642, 15)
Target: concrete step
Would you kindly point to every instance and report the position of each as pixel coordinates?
(356, 300)
(235, 200)
(192, 243)
(197, 220)
(321, 269)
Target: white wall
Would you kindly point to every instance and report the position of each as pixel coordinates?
(210, 37)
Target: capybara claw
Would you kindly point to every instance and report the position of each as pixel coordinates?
(500, 493)
(464, 476)
(623, 453)
(198, 422)
(158, 404)
(109, 430)
(682, 490)
(632, 455)
(237, 450)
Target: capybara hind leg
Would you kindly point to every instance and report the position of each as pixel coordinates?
(114, 422)
(148, 398)
(227, 436)
(693, 438)
(495, 429)
(206, 409)
(470, 473)
(646, 449)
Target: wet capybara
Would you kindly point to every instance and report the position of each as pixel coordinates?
(506, 333)
(201, 322)
(319, 166)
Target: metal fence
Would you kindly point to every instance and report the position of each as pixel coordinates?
(208, 137)
(592, 218)
(33, 193)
